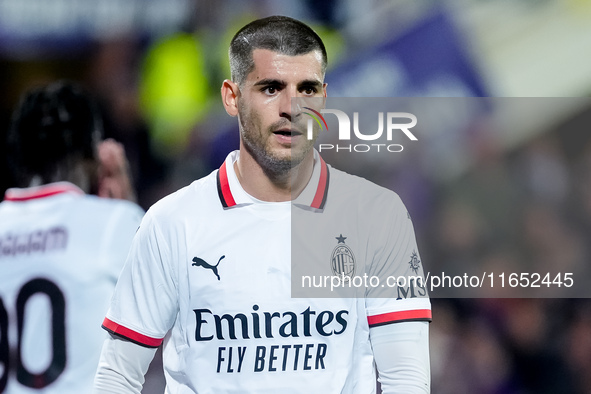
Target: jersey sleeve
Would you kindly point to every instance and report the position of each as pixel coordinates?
(402, 295)
(401, 354)
(144, 304)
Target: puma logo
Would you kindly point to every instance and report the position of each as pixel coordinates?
(200, 262)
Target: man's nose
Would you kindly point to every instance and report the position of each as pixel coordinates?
(288, 108)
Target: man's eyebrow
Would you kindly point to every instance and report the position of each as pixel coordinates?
(270, 81)
(310, 82)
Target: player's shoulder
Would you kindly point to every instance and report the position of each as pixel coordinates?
(199, 195)
(362, 192)
(106, 207)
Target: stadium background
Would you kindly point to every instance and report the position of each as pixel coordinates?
(156, 66)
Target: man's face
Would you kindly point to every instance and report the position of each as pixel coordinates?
(264, 107)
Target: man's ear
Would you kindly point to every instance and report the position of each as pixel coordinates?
(230, 93)
(324, 85)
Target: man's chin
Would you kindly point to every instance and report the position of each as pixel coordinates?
(294, 155)
(281, 164)
(278, 161)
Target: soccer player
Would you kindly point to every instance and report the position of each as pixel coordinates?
(61, 250)
(209, 272)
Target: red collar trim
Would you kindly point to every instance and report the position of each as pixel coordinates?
(224, 191)
(37, 192)
(227, 199)
(322, 189)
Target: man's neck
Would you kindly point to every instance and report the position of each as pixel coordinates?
(260, 185)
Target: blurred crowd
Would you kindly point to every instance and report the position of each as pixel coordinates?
(525, 207)
(528, 203)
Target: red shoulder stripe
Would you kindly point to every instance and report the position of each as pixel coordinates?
(133, 336)
(395, 317)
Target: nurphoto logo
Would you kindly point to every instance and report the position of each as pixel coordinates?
(397, 123)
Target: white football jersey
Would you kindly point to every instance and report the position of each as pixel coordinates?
(209, 275)
(61, 252)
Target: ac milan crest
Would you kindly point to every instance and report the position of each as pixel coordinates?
(342, 260)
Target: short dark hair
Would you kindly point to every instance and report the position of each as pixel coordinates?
(51, 125)
(276, 33)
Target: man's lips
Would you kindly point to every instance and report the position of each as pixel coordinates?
(287, 132)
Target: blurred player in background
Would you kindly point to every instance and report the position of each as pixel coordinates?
(209, 270)
(61, 249)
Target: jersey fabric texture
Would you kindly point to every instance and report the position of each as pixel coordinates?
(209, 276)
(61, 252)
